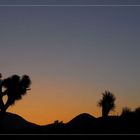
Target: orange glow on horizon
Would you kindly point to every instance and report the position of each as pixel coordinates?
(59, 104)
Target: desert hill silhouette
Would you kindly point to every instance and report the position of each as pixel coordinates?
(81, 124)
(84, 117)
(13, 123)
(15, 87)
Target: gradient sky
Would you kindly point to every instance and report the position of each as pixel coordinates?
(72, 54)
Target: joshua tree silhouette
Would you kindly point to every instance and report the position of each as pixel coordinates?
(15, 87)
(107, 103)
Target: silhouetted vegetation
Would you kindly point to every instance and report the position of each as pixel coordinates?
(126, 111)
(107, 103)
(15, 87)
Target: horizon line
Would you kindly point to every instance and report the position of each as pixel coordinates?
(66, 5)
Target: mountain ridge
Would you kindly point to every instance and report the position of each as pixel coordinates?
(83, 123)
(14, 122)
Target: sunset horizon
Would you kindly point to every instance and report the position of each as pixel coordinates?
(72, 54)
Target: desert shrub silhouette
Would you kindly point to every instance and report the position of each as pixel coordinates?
(107, 103)
(137, 111)
(15, 87)
(126, 111)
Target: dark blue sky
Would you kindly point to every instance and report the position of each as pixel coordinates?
(72, 55)
(70, 2)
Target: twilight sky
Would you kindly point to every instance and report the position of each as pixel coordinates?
(72, 54)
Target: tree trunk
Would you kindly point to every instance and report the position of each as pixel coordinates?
(2, 116)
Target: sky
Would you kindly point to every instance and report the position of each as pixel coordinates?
(72, 54)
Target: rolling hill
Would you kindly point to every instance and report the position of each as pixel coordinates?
(15, 123)
(81, 124)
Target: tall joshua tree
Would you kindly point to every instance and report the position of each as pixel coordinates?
(107, 103)
(15, 88)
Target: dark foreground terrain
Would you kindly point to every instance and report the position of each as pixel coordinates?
(82, 124)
